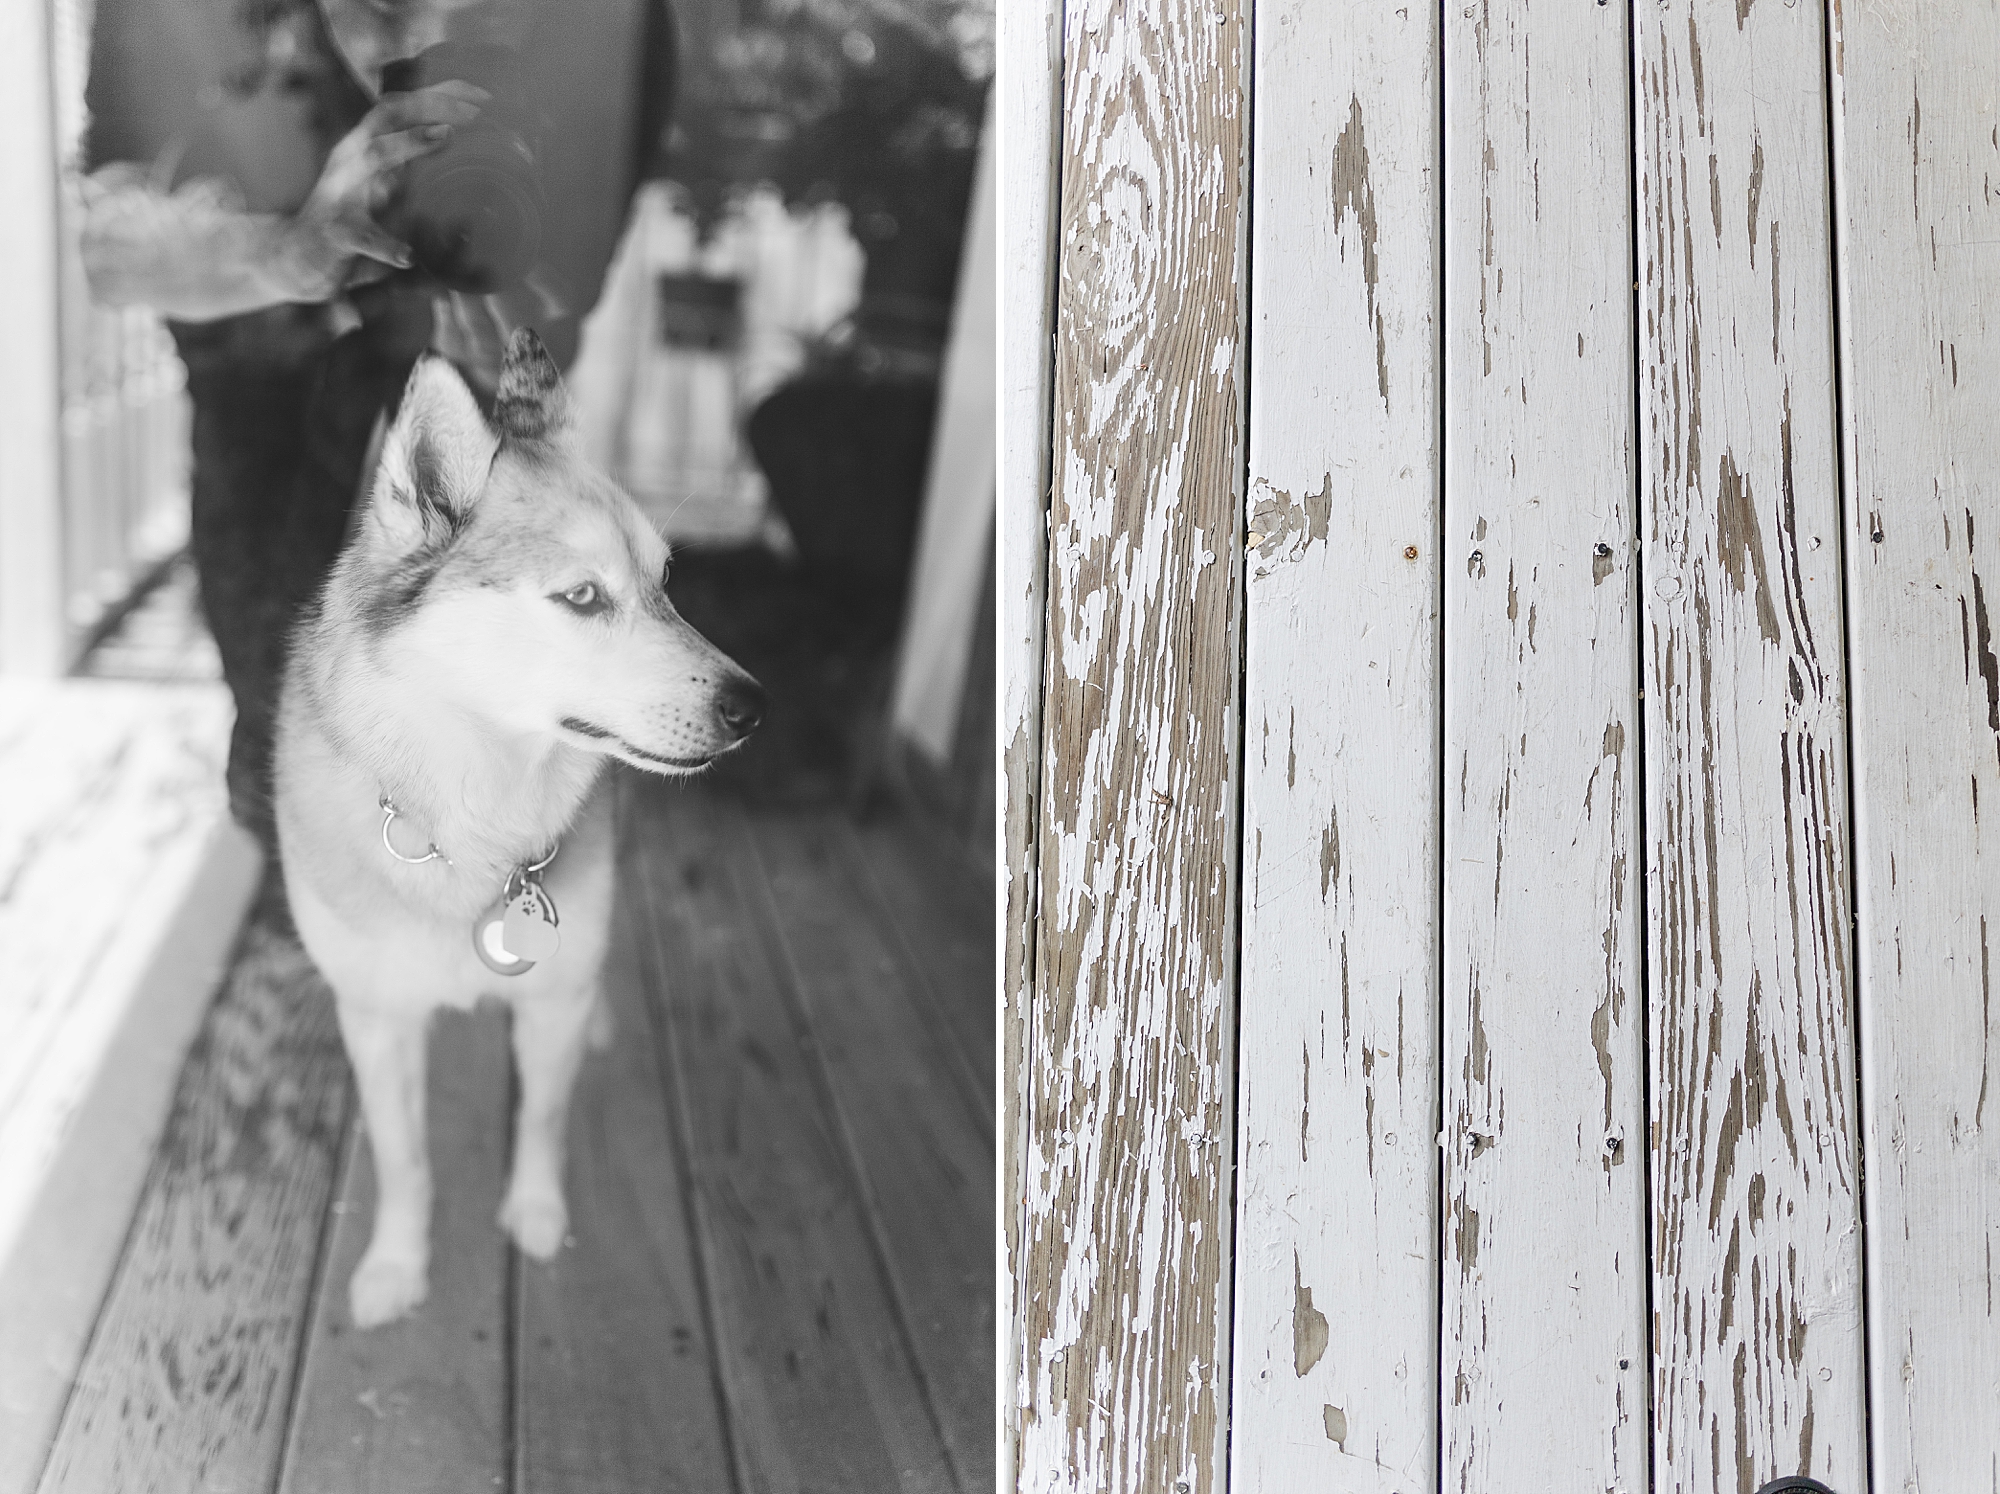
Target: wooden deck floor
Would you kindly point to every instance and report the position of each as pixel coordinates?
(780, 1180)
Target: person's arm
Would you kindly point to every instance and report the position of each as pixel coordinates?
(196, 255)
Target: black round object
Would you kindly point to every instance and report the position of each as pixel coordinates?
(1798, 1483)
(472, 211)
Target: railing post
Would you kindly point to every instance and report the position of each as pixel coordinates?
(31, 620)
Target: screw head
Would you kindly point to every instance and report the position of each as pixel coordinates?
(1602, 550)
(1797, 1484)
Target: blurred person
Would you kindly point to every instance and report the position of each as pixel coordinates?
(313, 192)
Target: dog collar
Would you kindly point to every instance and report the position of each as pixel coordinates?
(520, 927)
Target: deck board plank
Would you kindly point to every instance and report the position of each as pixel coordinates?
(421, 1403)
(188, 1380)
(1917, 164)
(927, 1186)
(1543, 1372)
(1756, 1249)
(616, 1374)
(1028, 84)
(817, 1383)
(1125, 1280)
(1336, 1344)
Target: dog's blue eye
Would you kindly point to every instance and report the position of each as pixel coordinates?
(584, 597)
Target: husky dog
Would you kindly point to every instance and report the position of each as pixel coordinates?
(495, 631)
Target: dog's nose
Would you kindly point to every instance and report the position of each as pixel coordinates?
(740, 706)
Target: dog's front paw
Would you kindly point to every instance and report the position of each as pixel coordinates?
(536, 1223)
(385, 1288)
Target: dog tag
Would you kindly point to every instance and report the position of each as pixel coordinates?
(489, 936)
(529, 926)
(489, 941)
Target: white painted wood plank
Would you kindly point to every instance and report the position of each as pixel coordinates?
(1917, 125)
(1028, 87)
(1127, 1236)
(1543, 1374)
(1336, 1332)
(1756, 1250)
(955, 540)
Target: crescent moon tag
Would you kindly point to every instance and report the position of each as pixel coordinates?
(489, 942)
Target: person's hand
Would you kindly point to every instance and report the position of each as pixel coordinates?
(337, 223)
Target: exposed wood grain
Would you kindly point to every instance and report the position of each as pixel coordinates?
(820, 1391)
(1028, 87)
(1918, 169)
(1756, 1255)
(616, 1383)
(421, 1403)
(927, 1187)
(1336, 1260)
(1543, 1373)
(1127, 1237)
(188, 1380)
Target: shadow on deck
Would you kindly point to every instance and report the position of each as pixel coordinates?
(780, 1181)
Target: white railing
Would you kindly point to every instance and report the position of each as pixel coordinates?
(124, 457)
(124, 410)
(93, 417)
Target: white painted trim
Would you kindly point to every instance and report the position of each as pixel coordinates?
(956, 534)
(32, 631)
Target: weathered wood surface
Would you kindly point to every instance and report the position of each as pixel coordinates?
(1126, 1243)
(1028, 86)
(1918, 171)
(421, 1403)
(615, 1380)
(1756, 1249)
(188, 1380)
(879, 1057)
(1336, 1260)
(1651, 1192)
(820, 1389)
(1543, 1373)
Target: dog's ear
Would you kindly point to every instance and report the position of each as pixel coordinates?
(530, 404)
(435, 458)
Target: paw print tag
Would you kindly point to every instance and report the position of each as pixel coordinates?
(529, 925)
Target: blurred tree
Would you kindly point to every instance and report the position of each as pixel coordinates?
(875, 104)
